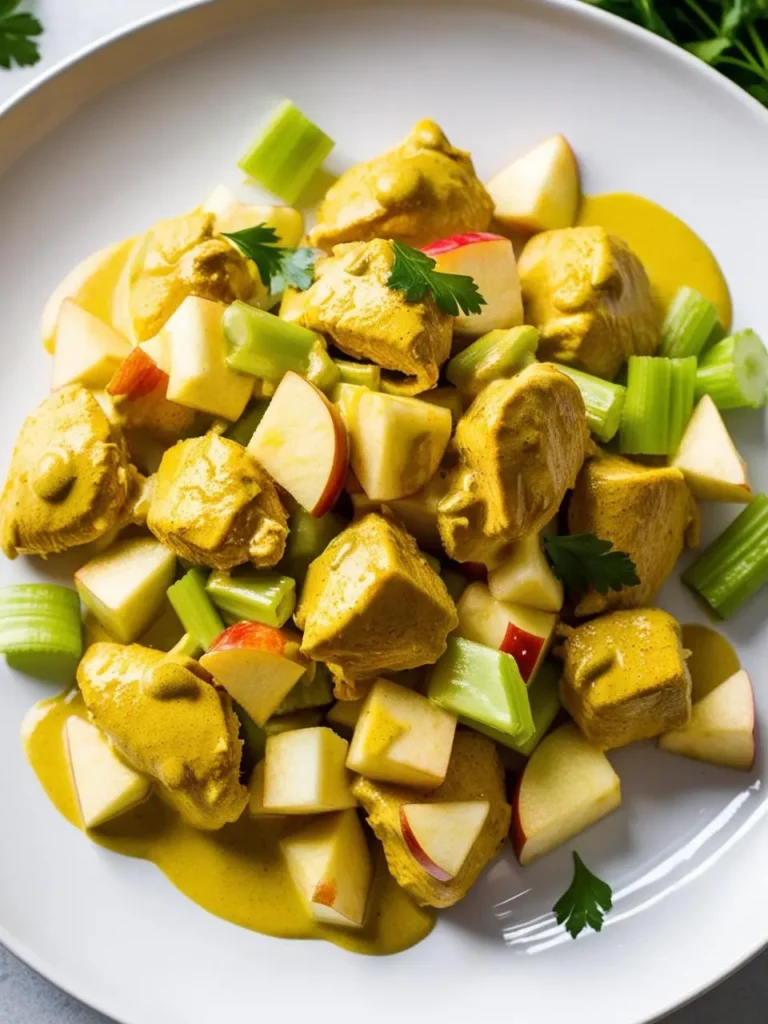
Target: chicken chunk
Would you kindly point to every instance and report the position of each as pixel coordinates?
(168, 722)
(625, 677)
(646, 512)
(69, 479)
(474, 773)
(521, 444)
(371, 604)
(589, 296)
(214, 505)
(351, 303)
(420, 191)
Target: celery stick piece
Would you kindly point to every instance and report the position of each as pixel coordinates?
(688, 325)
(187, 647)
(255, 596)
(287, 153)
(496, 355)
(308, 537)
(682, 387)
(254, 739)
(604, 402)
(735, 565)
(314, 692)
(455, 582)
(645, 418)
(734, 372)
(242, 430)
(40, 629)
(366, 375)
(196, 613)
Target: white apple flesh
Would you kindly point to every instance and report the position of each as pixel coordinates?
(440, 836)
(709, 460)
(105, 786)
(88, 351)
(305, 772)
(539, 191)
(525, 577)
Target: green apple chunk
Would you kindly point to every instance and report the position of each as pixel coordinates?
(125, 586)
(305, 773)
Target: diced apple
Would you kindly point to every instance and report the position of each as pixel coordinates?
(305, 772)
(402, 737)
(721, 729)
(257, 665)
(525, 577)
(88, 351)
(105, 786)
(490, 261)
(539, 191)
(331, 867)
(232, 215)
(417, 512)
(125, 586)
(396, 443)
(302, 443)
(199, 375)
(256, 794)
(346, 398)
(709, 460)
(137, 376)
(525, 633)
(566, 786)
(344, 715)
(711, 661)
(440, 836)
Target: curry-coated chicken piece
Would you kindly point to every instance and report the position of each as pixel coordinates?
(521, 445)
(170, 723)
(69, 480)
(181, 257)
(213, 504)
(589, 296)
(625, 677)
(372, 604)
(351, 303)
(474, 773)
(422, 190)
(647, 512)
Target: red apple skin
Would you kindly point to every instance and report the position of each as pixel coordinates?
(524, 647)
(139, 375)
(256, 635)
(419, 855)
(338, 474)
(459, 241)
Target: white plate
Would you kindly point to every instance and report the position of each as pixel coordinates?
(686, 854)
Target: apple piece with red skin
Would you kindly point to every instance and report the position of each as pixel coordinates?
(440, 836)
(302, 443)
(525, 633)
(257, 665)
(138, 376)
(490, 261)
(540, 190)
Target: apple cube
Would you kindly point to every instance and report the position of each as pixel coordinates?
(490, 261)
(418, 512)
(256, 794)
(125, 586)
(105, 786)
(257, 665)
(721, 729)
(566, 786)
(441, 836)
(539, 191)
(302, 443)
(232, 215)
(344, 715)
(199, 375)
(525, 577)
(525, 633)
(711, 660)
(331, 867)
(402, 737)
(709, 460)
(88, 351)
(305, 773)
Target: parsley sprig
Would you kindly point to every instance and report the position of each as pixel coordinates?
(18, 30)
(585, 902)
(278, 266)
(414, 273)
(582, 560)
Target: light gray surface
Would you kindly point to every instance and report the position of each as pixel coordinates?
(26, 998)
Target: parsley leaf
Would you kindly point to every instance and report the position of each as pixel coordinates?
(414, 273)
(277, 265)
(17, 33)
(582, 560)
(585, 903)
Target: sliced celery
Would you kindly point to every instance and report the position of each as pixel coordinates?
(287, 153)
(242, 430)
(734, 372)
(645, 419)
(365, 375)
(40, 629)
(196, 613)
(254, 740)
(496, 355)
(315, 692)
(682, 385)
(255, 596)
(455, 582)
(187, 647)
(688, 325)
(308, 537)
(735, 566)
(604, 402)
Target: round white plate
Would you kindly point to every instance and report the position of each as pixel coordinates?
(686, 854)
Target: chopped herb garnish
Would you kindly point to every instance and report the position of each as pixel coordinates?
(414, 273)
(582, 560)
(278, 266)
(18, 30)
(586, 901)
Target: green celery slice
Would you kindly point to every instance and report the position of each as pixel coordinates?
(41, 630)
(366, 375)
(316, 692)
(243, 429)
(268, 598)
(734, 372)
(682, 386)
(498, 354)
(194, 609)
(308, 537)
(645, 419)
(604, 402)
(688, 325)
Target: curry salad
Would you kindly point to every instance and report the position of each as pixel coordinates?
(370, 520)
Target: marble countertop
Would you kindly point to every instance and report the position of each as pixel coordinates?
(25, 997)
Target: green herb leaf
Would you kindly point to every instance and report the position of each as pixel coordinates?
(582, 560)
(277, 265)
(585, 903)
(17, 33)
(709, 50)
(414, 273)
